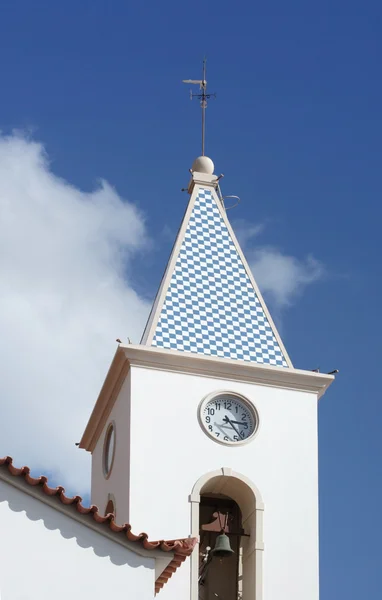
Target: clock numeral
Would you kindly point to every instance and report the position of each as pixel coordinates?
(226, 438)
(211, 411)
(235, 438)
(242, 433)
(217, 433)
(243, 417)
(245, 425)
(208, 419)
(217, 405)
(210, 427)
(227, 405)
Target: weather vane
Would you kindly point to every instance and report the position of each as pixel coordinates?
(203, 97)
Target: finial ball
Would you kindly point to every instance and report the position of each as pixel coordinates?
(203, 164)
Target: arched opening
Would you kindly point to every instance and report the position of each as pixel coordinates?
(219, 577)
(228, 501)
(110, 506)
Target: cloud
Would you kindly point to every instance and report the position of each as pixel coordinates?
(66, 294)
(246, 231)
(281, 277)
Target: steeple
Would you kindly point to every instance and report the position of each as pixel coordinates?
(207, 416)
(208, 301)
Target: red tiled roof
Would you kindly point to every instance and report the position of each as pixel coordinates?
(181, 548)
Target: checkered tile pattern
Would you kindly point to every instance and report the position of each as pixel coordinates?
(210, 305)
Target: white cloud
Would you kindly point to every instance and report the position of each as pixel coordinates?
(65, 297)
(246, 231)
(280, 277)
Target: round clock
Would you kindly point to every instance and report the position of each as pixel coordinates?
(228, 418)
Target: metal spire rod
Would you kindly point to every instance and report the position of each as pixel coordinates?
(203, 97)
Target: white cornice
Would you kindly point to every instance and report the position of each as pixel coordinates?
(226, 368)
(194, 364)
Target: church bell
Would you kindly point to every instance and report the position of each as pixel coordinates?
(222, 546)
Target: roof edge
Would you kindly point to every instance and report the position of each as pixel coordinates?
(114, 379)
(160, 298)
(37, 487)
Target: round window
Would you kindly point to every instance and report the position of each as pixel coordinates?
(108, 450)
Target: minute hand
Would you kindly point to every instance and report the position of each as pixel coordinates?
(227, 420)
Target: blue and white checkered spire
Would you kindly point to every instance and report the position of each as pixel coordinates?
(208, 304)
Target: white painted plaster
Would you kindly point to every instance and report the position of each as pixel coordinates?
(45, 553)
(118, 481)
(170, 452)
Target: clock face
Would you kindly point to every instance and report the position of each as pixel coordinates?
(228, 418)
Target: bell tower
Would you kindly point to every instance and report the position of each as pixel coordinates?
(206, 429)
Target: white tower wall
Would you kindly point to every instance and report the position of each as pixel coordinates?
(168, 452)
(117, 484)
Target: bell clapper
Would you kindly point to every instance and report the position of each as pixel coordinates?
(205, 555)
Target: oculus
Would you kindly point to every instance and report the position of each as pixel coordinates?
(109, 450)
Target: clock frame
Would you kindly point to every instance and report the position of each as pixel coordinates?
(228, 418)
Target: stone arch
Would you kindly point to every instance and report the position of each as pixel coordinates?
(244, 492)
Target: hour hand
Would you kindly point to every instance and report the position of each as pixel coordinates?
(227, 420)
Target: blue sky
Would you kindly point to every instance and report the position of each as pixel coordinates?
(296, 128)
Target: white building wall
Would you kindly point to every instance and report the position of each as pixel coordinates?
(169, 452)
(118, 481)
(45, 554)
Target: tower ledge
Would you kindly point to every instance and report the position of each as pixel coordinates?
(204, 179)
(184, 362)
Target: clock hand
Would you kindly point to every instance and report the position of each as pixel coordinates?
(240, 422)
(227, 420)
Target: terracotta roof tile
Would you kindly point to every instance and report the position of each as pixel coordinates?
(181, 548)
